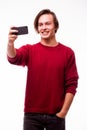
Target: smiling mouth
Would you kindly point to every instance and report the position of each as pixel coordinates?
(45, 33)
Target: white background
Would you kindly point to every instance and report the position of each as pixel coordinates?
(72, 15)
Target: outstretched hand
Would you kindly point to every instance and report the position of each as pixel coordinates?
(12, 35)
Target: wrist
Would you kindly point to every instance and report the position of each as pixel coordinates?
(61, 114)
(10, 43)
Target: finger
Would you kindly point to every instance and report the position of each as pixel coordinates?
(13, 30)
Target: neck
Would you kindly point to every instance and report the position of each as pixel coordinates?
(49, 42)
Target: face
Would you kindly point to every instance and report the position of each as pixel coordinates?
(46, 27)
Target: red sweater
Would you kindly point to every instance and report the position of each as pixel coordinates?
(52, 73)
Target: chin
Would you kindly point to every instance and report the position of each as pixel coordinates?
(45, 37)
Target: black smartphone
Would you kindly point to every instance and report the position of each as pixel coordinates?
(21, 30)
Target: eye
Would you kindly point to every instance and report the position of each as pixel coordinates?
(40, 24)
(48, 23)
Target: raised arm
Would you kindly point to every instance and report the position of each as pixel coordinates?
(11, 52)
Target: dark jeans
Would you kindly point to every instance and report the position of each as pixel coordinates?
(41, 121)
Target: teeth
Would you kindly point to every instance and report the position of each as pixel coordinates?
(45, 33)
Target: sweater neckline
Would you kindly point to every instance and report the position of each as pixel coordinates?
(50, 46)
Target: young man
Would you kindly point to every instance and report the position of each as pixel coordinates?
(52, 76)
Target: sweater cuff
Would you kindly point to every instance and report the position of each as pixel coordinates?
(11, 60)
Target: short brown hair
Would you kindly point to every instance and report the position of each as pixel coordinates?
(46, 11)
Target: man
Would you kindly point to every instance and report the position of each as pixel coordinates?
(52, 76)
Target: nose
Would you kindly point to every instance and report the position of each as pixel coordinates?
(44, 26)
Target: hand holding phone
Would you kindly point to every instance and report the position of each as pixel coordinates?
(21, 30)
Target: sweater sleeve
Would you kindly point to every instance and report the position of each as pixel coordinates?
(71, 74)
(22, 56)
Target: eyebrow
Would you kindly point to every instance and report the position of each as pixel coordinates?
(45, 22)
